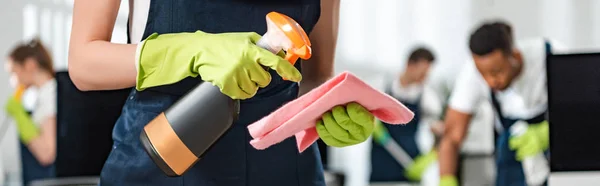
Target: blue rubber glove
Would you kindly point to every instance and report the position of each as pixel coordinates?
(346, 125)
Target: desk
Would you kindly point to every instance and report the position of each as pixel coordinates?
(393, 184)
(80, 181)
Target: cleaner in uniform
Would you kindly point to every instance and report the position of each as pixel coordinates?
(31, 64)
(408, 88)
(512, 76)
(173, 45)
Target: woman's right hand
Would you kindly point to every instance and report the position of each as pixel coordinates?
(231, 61)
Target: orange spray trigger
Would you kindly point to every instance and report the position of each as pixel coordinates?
(283, 33)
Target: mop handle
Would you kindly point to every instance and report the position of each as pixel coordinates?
(4, 128)
(382, 136)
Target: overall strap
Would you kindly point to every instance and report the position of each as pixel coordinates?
(496, 104)
(543, 116)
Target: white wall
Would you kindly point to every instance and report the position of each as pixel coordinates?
(379, 33)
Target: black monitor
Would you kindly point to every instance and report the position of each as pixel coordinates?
(84, 127)
(574, 111)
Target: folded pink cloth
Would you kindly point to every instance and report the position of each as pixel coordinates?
(300, 116)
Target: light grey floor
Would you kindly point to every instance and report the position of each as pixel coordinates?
(80, 181)
(479, 171)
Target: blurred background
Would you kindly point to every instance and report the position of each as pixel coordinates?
(375, 39)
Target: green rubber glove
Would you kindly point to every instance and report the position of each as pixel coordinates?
(448, 181)
(345, 125)
(421, 163)
(25, 126)
(534, 141)
(230, 61)
(543, 132)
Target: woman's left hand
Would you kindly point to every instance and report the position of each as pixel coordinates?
(13, 106)
(346, 125)
(25, 125)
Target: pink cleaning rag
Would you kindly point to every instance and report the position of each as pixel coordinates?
(299, 117)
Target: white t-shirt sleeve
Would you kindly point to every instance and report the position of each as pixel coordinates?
(431, 104)
(46, 103)
(468, 90)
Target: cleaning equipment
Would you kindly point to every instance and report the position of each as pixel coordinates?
(382, 137)
(535, 167)
(177, 138)
(413, 168)
(299, 117)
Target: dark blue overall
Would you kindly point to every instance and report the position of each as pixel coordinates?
(384, 168)
(31, 169)
(231, 161)
(509, 170)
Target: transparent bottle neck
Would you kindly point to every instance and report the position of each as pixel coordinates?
(266, 44)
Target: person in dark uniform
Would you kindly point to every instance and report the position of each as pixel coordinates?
(173, 46)
(408, 88)
(31, 65)
(512, 76)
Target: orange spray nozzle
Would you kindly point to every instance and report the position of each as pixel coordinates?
(19, 92)
(283, 33)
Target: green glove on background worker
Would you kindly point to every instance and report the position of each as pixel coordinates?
(448, 181)
(230, 61)
(534, 141)
(421, 163)
(25, 126)
(415, 171)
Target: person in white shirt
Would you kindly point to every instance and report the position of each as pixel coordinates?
(512, 77)
(31, 65)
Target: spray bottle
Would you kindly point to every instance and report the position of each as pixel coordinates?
(177, 138)
(535, 168)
